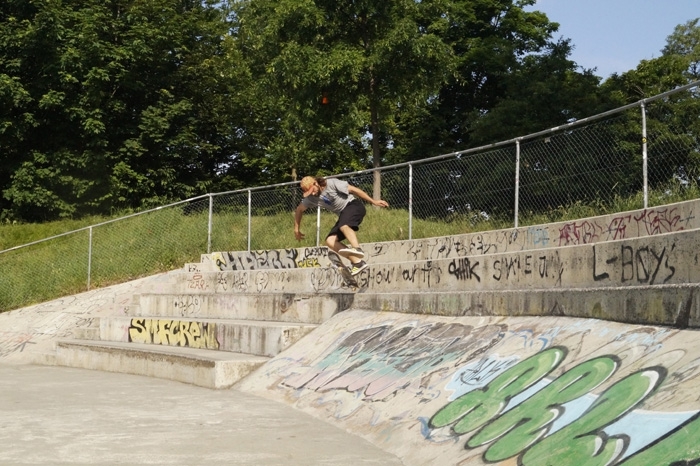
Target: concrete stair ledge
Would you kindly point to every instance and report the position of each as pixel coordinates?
(86, 333)
(324, 280)
(675, 305)
(627, 225)
(205, 368)
(263, 338)
(309, 308)
(669, 258)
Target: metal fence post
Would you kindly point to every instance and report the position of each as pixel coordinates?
(517, 180)
(89, 267)
(209, 227)
(410, 201)
(318, 226)
(250, 211)
(644, 156)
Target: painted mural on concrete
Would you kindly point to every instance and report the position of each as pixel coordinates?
(526, 391)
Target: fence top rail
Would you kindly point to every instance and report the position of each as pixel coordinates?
(106, 222)
(516, 140)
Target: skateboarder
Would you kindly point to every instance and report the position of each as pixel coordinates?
(345, 200)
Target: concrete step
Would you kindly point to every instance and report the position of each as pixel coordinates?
(262, 338)
(311, 308)
(86, 333)
(623, 225)
(324, 280)
(670, 258)
(665, 305)
(205, 368)
(293, 258)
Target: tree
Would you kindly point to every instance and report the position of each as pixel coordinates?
(673, 130)
(545, 90)
(332, 75)
(490, 41)
(112, 104)
(685, 42)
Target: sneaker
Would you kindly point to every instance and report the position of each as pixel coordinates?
(359, 267)
(352, 252)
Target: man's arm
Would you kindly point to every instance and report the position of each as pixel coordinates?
(365, 197)
(297, 221)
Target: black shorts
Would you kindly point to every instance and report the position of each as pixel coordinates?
(352, 216)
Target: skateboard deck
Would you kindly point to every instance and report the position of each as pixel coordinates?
(345, 274)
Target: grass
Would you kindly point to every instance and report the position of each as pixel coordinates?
(166, 239)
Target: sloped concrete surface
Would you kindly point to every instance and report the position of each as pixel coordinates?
(33, 330)
(498, 390)
(59, 415)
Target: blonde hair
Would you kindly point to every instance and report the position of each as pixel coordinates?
(307, 182)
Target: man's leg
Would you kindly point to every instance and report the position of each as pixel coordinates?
(336, 245)
(333, 243)
(351, 236)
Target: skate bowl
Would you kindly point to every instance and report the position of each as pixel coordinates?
(564, 344)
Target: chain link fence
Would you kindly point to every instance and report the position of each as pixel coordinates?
(643, 154)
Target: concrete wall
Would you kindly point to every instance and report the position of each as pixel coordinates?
(625, 225)
(498, 390)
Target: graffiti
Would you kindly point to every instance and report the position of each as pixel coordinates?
(384, 359)
(192, 268)
(308, 262)
(579, 233)
(480, 245)
(512, 267)
(654, 222)
(269, 259)
(174, 333)
(530, 429)
(232, 282)
(484, 370)
(324, 278)
(271, 280)
(187, 304)
(427, 274)
(14, 342)
(532, 411)
(617, 228)
(538, 236)
(252, 260)
(385, 276)
(196, 282)
(463, 269)
(642, 264)
(648, 222)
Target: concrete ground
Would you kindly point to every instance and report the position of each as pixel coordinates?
(58, 415)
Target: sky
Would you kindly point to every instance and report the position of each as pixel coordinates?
(615, 35)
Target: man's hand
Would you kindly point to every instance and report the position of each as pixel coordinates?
(380, 203)
(299, 235)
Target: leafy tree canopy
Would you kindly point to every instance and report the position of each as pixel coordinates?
(111, 104)
(123, 104)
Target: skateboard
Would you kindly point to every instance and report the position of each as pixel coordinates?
(337, 262)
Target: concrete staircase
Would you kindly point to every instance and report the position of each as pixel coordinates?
(207, 340)
(227, 315)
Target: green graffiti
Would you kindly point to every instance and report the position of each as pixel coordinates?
(522, 430)
(582, 442)
(679, 447)
(525, 424)
(474, 409)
